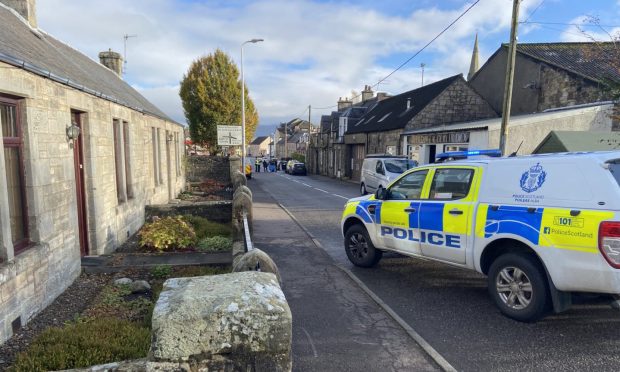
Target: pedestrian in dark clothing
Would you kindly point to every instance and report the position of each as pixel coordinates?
(265, 165)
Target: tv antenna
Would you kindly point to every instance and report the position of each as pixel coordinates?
(125, 37)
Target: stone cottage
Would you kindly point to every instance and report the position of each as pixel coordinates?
(83, 154)
(381, 129)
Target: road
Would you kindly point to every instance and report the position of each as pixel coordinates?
(449, 307)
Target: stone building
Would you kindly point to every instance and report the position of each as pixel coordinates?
(549, 75)
(382, 129)
(297, 132)
(83, 154)
(259, 146)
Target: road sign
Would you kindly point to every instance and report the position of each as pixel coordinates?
(229, 135)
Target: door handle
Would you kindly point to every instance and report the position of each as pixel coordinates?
(410, 210)
(456, 211)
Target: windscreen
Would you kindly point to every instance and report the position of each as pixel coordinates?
(399, 165)
(614, 168)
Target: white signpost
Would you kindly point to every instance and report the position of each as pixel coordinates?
(229, 135)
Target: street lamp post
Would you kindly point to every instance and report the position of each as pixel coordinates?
(253, 41)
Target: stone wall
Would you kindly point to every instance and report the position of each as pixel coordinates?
(217, 211)
(378, 142)
(458, 103)
(34, 278)
(559, 88)
(209, 167)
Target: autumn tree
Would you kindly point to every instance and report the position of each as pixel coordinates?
(211, 95)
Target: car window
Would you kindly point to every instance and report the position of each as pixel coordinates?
(451, 183)
(379, 167)
(399, 165)
(409, 186)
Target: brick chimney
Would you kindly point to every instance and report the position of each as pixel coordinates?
(113, 61)
(25, 8)
(344, 104)
(367, 93)
(381, 96)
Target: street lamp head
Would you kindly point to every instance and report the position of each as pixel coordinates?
(254, 41)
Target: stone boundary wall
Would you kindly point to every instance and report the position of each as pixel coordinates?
(217, 211)
(208, 167)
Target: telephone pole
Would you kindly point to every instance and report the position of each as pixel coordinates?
(309, 114)
(285, 138)
(510, 71)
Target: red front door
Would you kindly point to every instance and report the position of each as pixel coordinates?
(78, 159)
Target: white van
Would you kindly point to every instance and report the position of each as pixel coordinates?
(379, 170)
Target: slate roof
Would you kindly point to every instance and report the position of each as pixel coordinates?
(571, 141)
(596, 61)
(42, 54)
(259, 140)
(392, 113)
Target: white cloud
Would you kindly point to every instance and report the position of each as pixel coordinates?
(313, 52)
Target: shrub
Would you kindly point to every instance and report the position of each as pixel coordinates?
(205, 228)
(214, 244)
(167, 233)
(161, 271)
(79, 345)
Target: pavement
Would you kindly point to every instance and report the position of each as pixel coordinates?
(337, 326)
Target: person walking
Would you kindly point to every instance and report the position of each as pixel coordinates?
(265, 165)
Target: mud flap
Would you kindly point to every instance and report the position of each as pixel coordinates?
(561, 300)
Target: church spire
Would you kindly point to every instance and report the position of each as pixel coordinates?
(473, 67)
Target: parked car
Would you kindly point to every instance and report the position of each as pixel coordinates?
(540, 227)
(299, 168)
(379, 170)
(289, 166)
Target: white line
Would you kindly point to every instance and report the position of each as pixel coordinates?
(305, 184)
(316, 355)
(443, 363)
(321, 190)
(340, 196)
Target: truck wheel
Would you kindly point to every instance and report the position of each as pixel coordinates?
(518, 286)
(363, 189)
(359, 247)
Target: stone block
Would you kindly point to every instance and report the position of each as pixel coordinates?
(242, 203)
(256, 260)
(243, 189)
(238, 179)
(241, 318)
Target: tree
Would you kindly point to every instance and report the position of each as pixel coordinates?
(211, 96)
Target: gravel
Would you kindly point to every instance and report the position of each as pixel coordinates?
(65, 308)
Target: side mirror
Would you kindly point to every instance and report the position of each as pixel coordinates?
(381, 194)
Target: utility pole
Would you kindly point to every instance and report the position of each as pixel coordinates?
(285, 137)
(125, 37)
(309, 114)
(422, 65)
(510, 71)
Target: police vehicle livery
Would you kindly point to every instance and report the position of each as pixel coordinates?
(538, 226)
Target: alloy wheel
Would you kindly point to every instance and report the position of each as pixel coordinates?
(514, 288)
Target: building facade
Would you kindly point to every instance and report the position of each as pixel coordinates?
(83, 154)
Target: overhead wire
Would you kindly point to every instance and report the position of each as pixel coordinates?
(413, 56)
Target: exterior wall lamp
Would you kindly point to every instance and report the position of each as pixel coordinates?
(73, 132)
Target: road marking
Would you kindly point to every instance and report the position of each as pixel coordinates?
(340, 196)
(316, 355)
(305, 184)
(438, 358)
(321, 190)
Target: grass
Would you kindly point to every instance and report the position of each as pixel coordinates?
(205, 228)
(85, 343)
(116, 327)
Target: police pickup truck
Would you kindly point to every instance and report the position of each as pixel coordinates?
(540, 226)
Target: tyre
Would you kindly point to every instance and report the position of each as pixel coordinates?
(363, 190)
(359, 248)
(518, 285)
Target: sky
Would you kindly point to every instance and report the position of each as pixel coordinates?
(315, 51)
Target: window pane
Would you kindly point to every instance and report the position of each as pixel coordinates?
(408, 187)
(7, 119)
(451, 183)
(14, 185)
